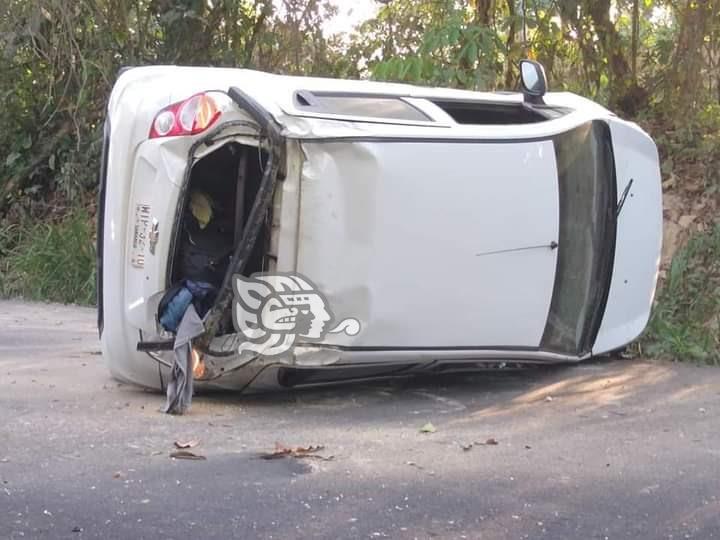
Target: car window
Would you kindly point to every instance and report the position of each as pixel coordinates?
(483, 113)
(586, 175)
(359, 105)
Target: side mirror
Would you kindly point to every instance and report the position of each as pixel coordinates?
(534, 81)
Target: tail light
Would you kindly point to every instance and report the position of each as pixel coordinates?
(189, 117)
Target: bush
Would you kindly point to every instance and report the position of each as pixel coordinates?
(49, 261)
(685, 324)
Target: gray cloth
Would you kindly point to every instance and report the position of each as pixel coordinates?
(180, 387)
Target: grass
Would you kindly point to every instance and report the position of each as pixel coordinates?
(52, 262)
(685, 324)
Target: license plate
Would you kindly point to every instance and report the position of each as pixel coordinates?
(140, 235)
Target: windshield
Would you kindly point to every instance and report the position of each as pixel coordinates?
(586, 175)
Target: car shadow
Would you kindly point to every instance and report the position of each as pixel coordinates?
(589, 391)
(591, 384)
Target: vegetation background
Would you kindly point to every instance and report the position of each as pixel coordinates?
(655, 61)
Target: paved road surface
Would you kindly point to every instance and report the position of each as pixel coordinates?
(605, 450)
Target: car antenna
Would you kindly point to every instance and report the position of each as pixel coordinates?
(551, 245)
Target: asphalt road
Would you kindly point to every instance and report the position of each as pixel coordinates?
(621, 449)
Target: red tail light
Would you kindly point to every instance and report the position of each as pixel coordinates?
(189, 117)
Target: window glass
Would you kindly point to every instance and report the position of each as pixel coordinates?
(356, 105)
(586, 244)
(468, 112)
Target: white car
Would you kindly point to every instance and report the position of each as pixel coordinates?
(349, 229)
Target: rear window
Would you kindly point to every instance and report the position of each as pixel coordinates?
(358, 105)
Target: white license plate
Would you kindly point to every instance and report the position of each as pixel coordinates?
(140, 235)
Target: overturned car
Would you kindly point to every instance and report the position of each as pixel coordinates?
(323, 230)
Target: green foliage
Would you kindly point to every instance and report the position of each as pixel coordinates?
(49, 261)
(453, 51)
(685, 324)
(59, 60)
(690, 149)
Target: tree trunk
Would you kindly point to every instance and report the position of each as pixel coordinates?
(484, 12)
(686, 69)
(257, 29)
(611, 47)
(573, 19)
(509, 44)
(635, 37)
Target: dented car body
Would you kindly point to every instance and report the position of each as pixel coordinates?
(458, 229)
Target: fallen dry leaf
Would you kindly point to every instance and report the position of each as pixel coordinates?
(184, 454)
(282, 451)
(488, 442)
(189, 444)
(428, 428)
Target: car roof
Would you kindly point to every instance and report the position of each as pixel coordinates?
(278, 94)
